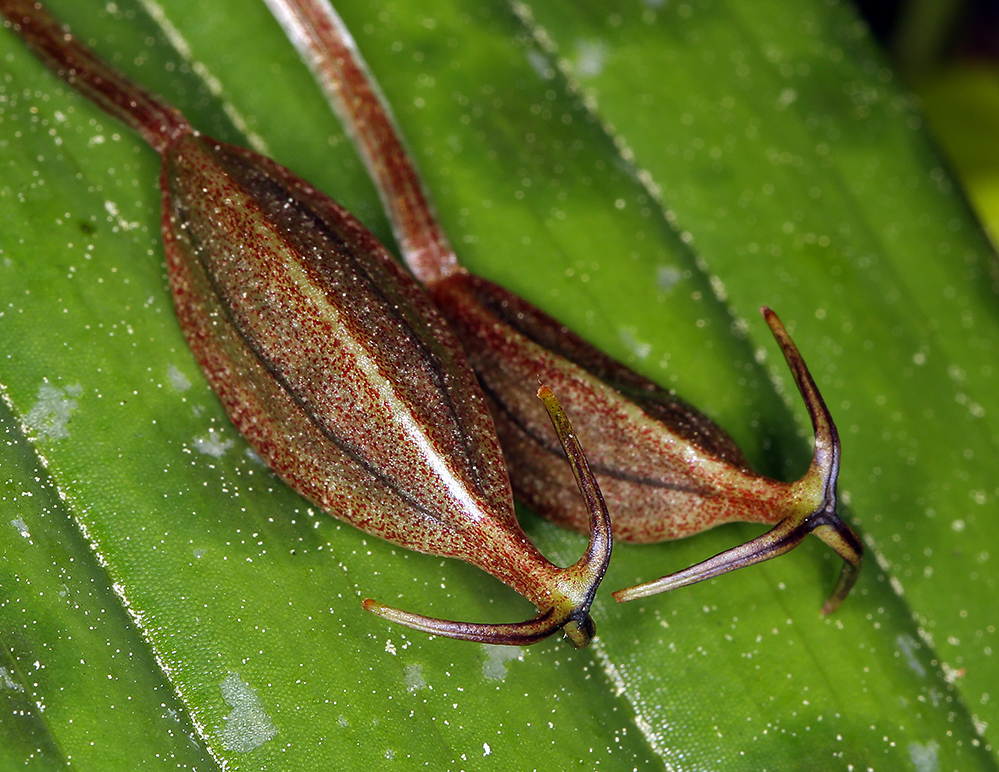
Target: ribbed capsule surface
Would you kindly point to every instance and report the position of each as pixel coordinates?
(335, 367)
(668, 471)
(652, 451)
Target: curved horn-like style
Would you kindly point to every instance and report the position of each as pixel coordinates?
(815, 494)
(576, 586)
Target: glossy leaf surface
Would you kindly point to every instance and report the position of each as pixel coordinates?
(236, 589)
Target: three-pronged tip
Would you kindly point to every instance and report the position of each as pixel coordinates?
(585, 576)
(817, 487)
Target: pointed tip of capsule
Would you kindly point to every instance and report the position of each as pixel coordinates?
(574, 587)
(821, 520)
(578, 583)
(824, 522)
(513, 634)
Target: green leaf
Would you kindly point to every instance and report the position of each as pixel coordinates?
(650, 174)
(962, 106)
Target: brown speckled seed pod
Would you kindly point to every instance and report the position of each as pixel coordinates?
(665, 469)
(332, 362)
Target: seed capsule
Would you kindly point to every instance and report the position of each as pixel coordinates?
(665, 468)
(332, 362)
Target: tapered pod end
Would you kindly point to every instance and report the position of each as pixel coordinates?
(573, 588)
(577, 585)
(816, 491)
(514, 634)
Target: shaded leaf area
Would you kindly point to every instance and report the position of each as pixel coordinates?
(962, 106)
(249, 601)
(784, 144)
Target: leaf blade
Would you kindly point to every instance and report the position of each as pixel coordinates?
(666, 678)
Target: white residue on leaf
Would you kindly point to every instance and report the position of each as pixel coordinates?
(177, 379)
(494, 668)
(120, 222)
(49, 416)
(22, 527)
(924, 757)
(667, 277)
(6, 682)
(212, 445)
(540, 64)
(591, 56)
(248, 726)
(639, 348)
(413, 678)
(907, 645)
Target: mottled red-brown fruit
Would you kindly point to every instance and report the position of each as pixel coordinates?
(666, 470)
(332, 362)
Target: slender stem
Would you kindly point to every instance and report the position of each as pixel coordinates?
(157, 121)
(323, 41)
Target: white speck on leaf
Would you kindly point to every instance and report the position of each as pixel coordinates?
(494, 668)
(177, 379)
(50, 414)
(924, 757)
(21, 526)
(212, 445)
(248, 726)
(787, 97)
